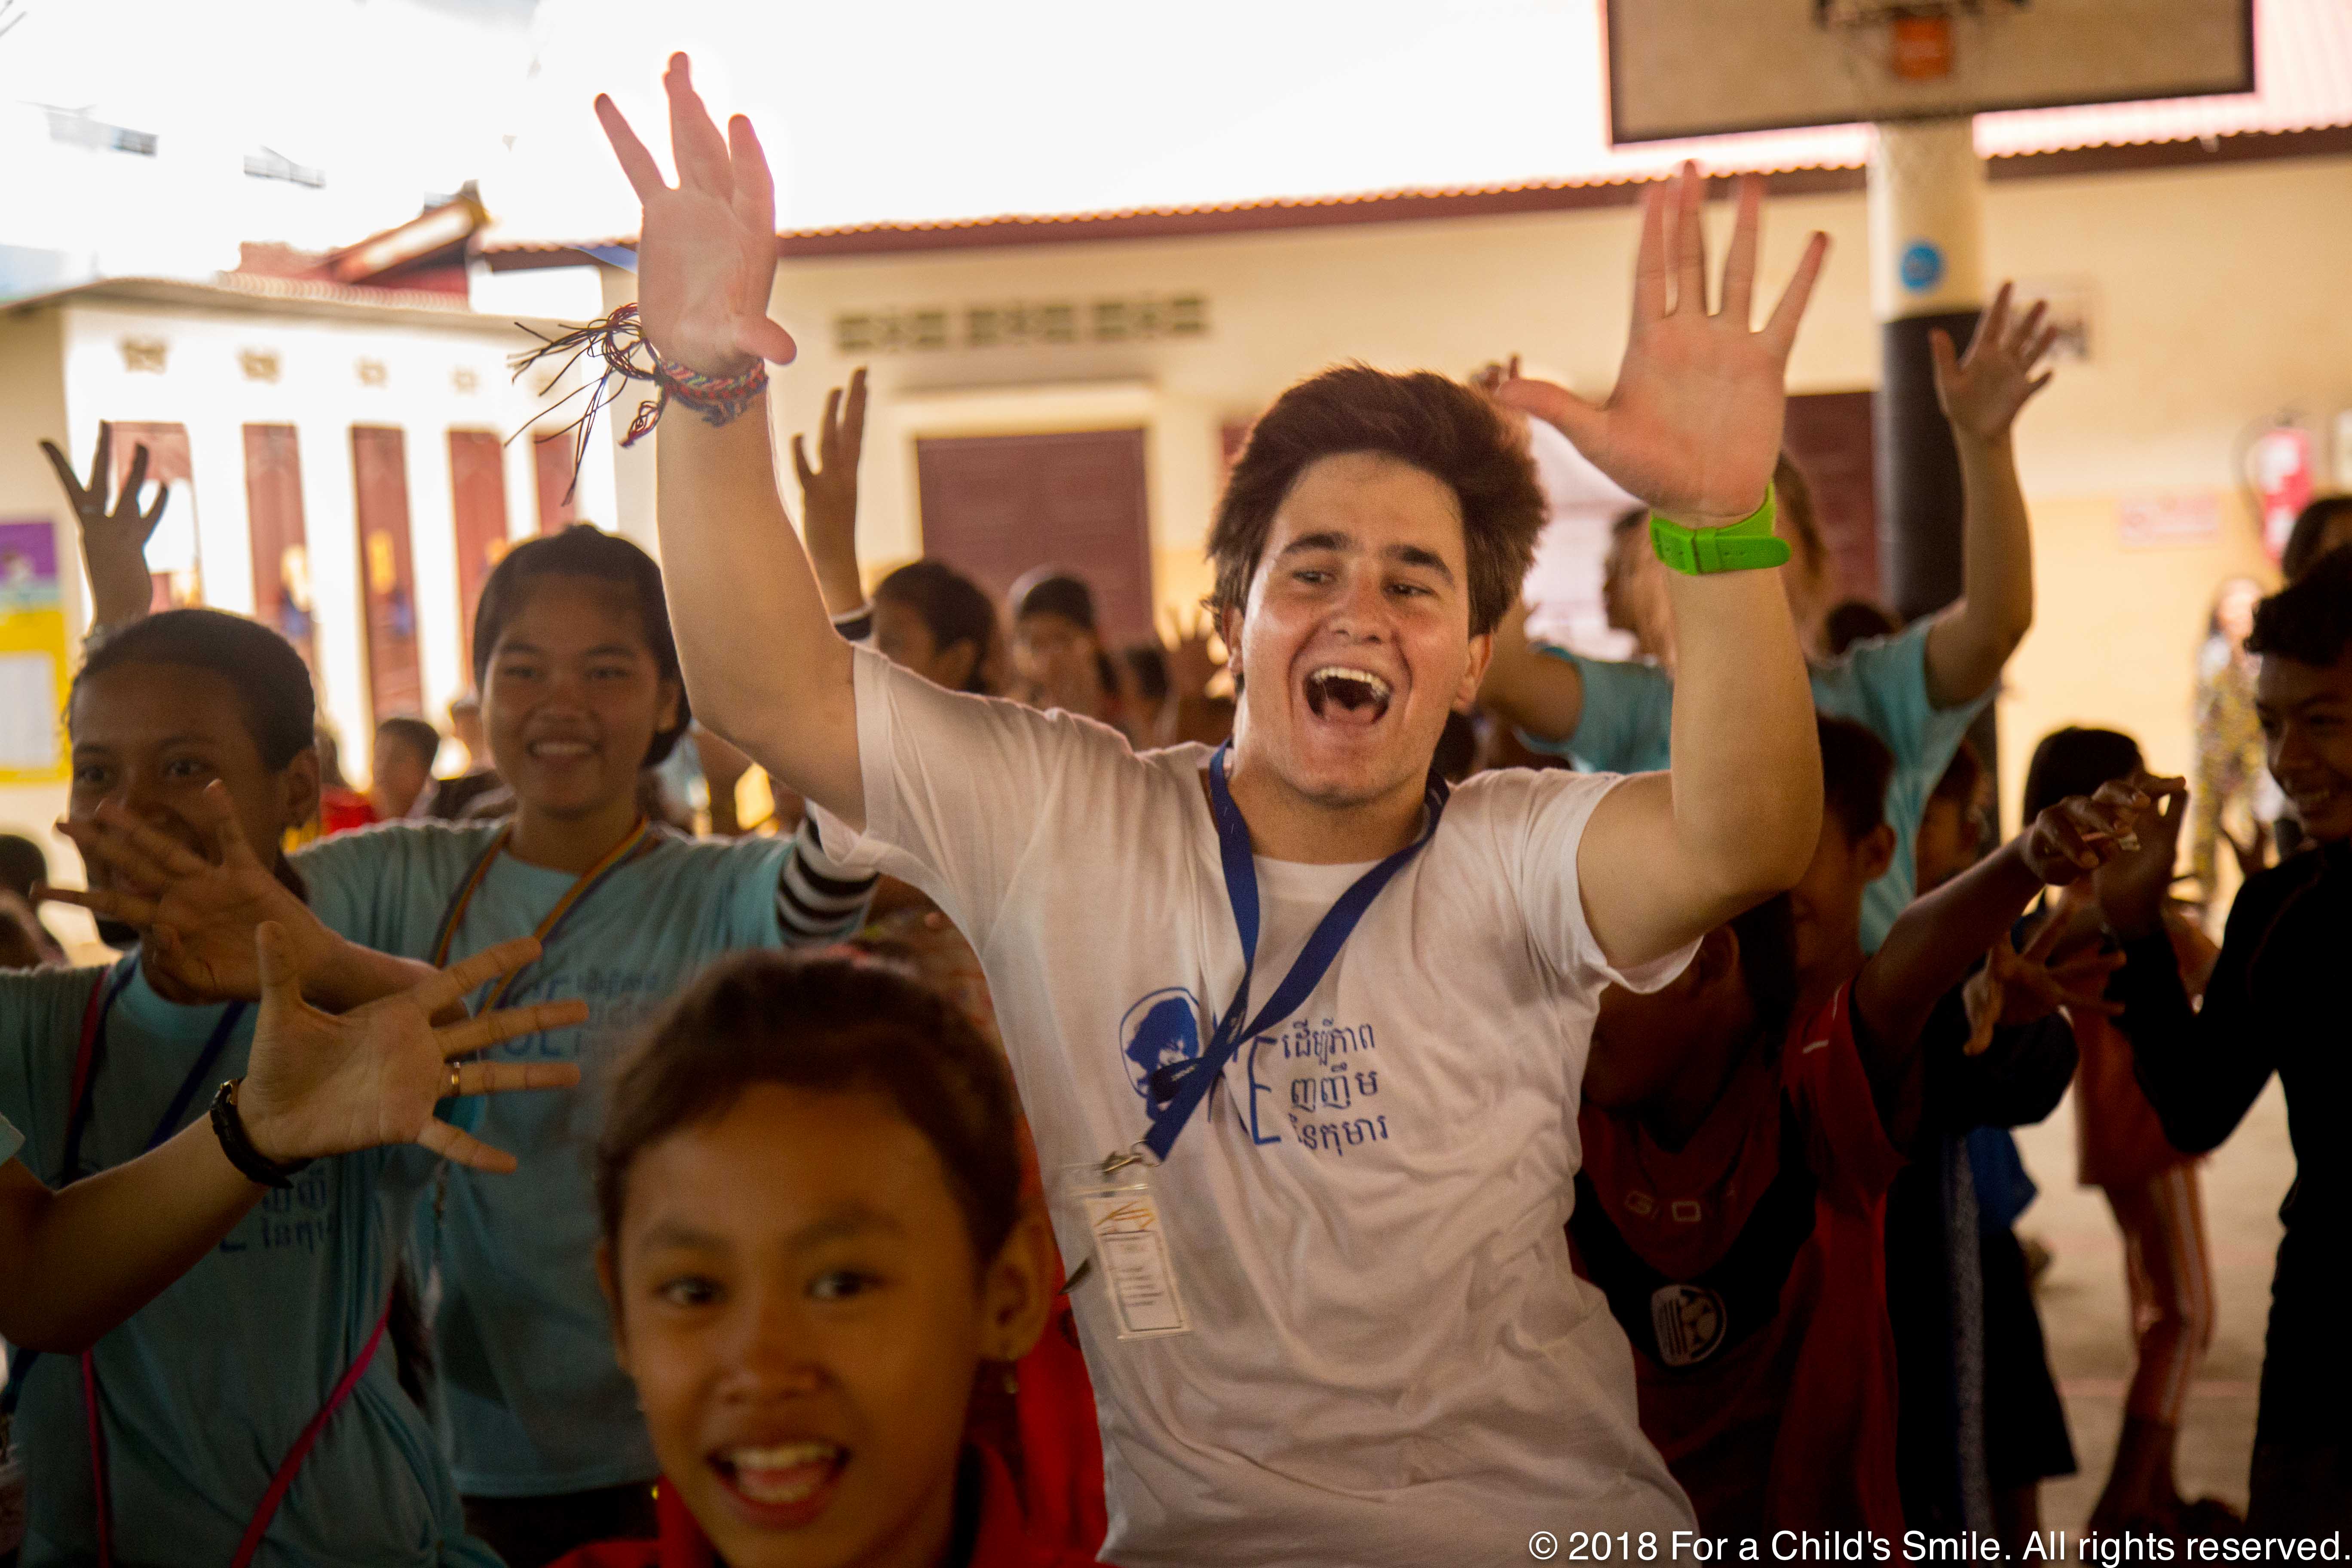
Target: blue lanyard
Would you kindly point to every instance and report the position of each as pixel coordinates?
(206, 1060)
(1178, 1089)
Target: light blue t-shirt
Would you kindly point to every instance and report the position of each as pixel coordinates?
(535, 1402)
(1627, 727)
(207, 1388)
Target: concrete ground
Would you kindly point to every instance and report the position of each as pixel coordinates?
(2087, 1321)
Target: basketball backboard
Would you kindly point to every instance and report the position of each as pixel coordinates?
(1712, 67)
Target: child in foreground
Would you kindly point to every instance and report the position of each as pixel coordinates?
(815, 1244)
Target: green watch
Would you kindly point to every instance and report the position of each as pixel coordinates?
(1747, 545)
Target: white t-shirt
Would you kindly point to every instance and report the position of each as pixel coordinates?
(1392, 1362)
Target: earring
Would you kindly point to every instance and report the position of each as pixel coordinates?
(1011, 1379)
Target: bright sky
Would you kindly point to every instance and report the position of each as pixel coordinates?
(875, 109)
(872, 110)
(919, 108)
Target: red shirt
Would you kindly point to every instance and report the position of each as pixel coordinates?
(341, 810)
(1002, 1540)
(1750, 1270)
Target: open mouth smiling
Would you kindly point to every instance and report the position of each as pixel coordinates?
(1356, 694)
(789, 1483)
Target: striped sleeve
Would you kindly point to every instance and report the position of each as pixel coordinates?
(817, 899)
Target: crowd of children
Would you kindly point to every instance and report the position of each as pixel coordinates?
(1124, 1109)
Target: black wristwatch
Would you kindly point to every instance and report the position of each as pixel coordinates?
(250, 1161)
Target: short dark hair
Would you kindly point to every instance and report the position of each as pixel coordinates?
(269, 677)
(1961, 777)
(2311, 527)
(22, 863)
(1855, 768)
(583, 550)
(1768, 962)
(2074, 761)
(1148, 662)
(1850, 621)
(1052, 592)
(2310, 619)
(419, 737)
(1448, 430)
(952, 607)
(832, 1022)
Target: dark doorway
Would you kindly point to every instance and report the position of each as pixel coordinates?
(477, 489)
(387, 578)
(281, 551)
(996, 506)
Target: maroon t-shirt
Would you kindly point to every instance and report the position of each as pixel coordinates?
(1749, 1267)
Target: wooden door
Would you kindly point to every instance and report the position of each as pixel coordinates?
(1829, 435)
(477, 486)
(179, 583)
(997, 506)
(281, 553)
(387, 577)
(552, 468)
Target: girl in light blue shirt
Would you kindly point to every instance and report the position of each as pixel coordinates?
(577, 672)
(206, 1290)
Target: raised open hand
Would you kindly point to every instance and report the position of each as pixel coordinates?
(1982, 390)
(829, 496)
(196, 914)
(1693, 427)
(320, 1084)
(122, 525)
(113, 537)
(1193, 660)
(706, 250)
(829, 490)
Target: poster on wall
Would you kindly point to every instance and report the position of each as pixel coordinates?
(32, 654)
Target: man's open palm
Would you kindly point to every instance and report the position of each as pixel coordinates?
(706, 249)
(1693, 427)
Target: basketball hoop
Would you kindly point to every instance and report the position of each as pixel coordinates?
(1920, 48)
(1918, 34)
(1878, 13)
(1680, 69)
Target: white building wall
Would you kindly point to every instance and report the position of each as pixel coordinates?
(69, 372)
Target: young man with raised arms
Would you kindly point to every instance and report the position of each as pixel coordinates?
(1385, 1357)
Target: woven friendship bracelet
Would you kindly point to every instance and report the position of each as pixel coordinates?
(618, 344)
(719, 399)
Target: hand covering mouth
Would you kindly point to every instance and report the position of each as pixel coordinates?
(1357, 693)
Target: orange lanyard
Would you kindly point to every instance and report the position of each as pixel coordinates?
(640, 838)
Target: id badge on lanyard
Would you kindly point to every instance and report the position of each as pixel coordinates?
(1114, 1199)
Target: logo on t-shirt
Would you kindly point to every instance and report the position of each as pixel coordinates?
(1162, 1029)
(1689, 1321)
